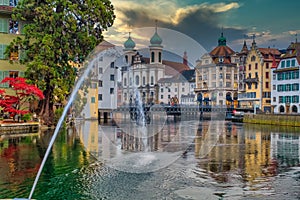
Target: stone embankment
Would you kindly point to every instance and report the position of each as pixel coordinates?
(273, 119)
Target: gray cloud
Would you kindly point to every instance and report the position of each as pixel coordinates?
(202, 24)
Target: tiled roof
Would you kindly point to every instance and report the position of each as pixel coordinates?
(221, 51)
(172, 68)
(271, 51)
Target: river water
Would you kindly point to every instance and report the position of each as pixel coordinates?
(184, 160)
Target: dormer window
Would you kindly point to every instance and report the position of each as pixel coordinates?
(221, 59)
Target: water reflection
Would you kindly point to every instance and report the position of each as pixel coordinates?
(231, 155)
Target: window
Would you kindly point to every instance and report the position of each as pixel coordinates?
(256, 75)
(100, 83)
(267, 65)
(93, 99)
(267, 74)
(125, 81)
(253, 58)
(282, 64)
(274, 87)
(256, 66)
(152, 56)
(249, 86)
(274, 76)
(13, 74)
(256, 85)
(267, 84)
(274, 99)
(152, 80)
(2, 50)
(13, 27)
(100, 97)
(175, 89)
(3, 25)
(214, 76)
(112, 77)
(288, 87)
(137, 80)
(288, 99)
(11, 2)
(144, 80)
(161, 89)
(281, 100)
(169, 89)
(159, 57)
(295, 99)
(112, 65)
(221, 84)
(100, 70)
(182, 89)
(293, 63)
(228, 84)
(112, 90)
(288, 63)
(161, 96)
(221, 75)
(295, 87)
(228, 76)
(249, 67)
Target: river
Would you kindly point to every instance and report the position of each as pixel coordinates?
(183, 160)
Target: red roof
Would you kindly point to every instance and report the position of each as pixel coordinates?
(222, 51)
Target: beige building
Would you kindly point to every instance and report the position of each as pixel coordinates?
(217, 75)
(258, 78)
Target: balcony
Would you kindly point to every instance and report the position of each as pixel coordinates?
(251, 80)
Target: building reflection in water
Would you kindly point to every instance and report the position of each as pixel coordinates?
(248, 151)
(227, 151)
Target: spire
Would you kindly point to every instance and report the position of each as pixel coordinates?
(156, 40)
(222, 40)
(129, 44)
(244, 48)
(185, 58)
(253, 42)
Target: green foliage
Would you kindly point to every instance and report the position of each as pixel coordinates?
(57, 33)
(26, 117)
(57, 114)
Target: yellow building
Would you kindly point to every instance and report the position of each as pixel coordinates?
(258, 78)
(9, 30)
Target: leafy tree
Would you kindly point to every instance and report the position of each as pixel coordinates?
(18, 104)
(57, 34)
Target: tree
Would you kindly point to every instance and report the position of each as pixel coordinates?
(57, 34)
(24, 93)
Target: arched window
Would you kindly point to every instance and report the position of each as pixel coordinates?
(144, 80)
(294, 109)
(126, 58)
(125, 81)
(152, 56)
(159, 57)
(137, 80)
(152, 80)
(281, 109)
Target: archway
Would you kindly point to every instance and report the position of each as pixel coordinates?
(281, 109)
(294, 109)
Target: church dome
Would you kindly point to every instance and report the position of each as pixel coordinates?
(129, 44)
(155, 40)
(222, 40)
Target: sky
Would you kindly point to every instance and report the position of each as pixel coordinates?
(194, 26)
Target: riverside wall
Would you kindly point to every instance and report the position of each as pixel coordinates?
(273, 119)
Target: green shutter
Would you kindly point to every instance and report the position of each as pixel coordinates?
(5, 74)
(21, 74)
(4, 25)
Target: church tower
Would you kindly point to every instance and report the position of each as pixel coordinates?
(155, 48)
(129, 50)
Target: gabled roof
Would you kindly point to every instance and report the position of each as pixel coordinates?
(172, 67)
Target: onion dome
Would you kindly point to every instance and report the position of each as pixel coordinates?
(222, 40)
(129, 44)
(155, 40)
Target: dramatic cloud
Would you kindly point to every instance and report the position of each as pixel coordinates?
(202, 22)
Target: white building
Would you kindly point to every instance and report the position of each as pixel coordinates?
(181, 87)
(285, 82)
(217, 75)
(108, 79)
(140, 76)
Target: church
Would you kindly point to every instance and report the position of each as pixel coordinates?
(141, 75)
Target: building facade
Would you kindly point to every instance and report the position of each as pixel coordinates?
(9, 30)
(143, 78)
(258, 78)
(217, 75)
(285, 81)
